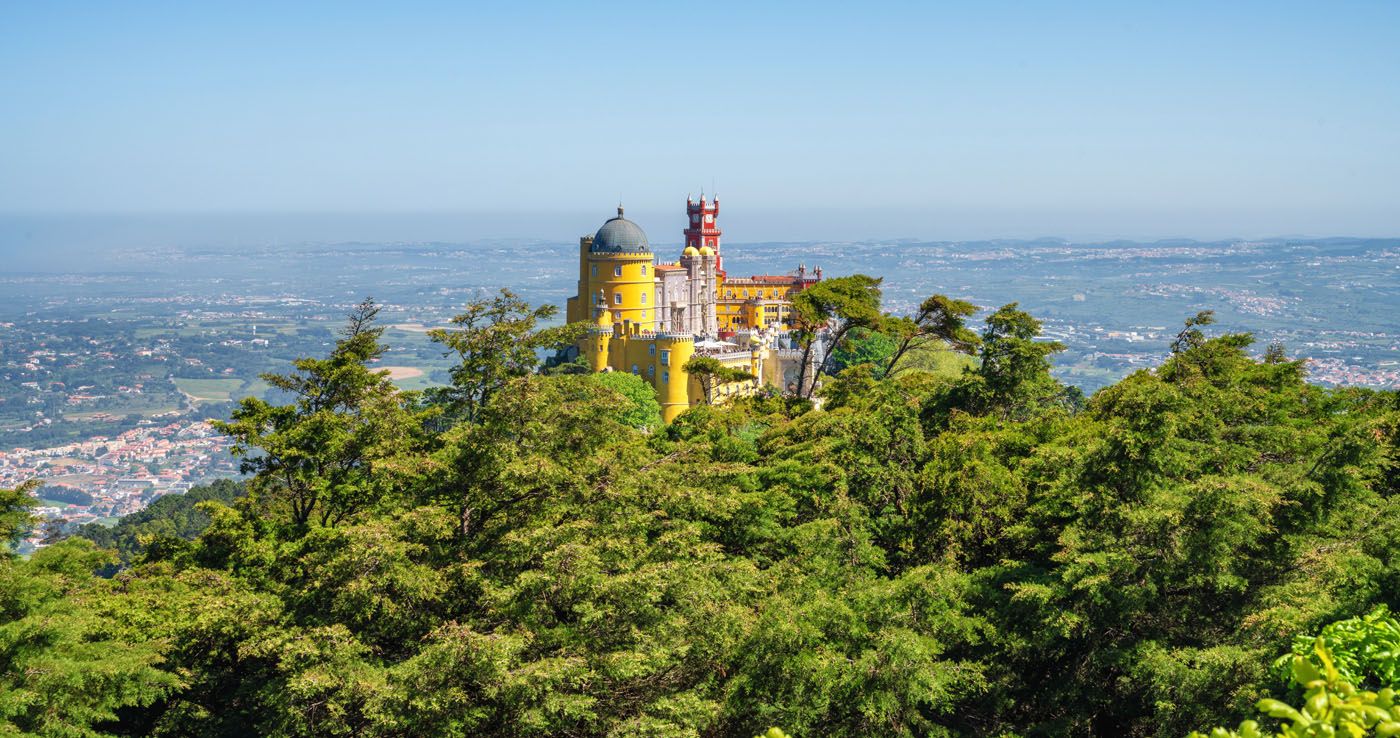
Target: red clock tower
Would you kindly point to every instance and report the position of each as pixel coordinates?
(702, 229)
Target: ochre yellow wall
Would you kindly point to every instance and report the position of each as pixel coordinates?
(632, 285)
(579, 307)
(734, 314)
(620, 352)
(659, 358)
(597, 348)
(681, 391)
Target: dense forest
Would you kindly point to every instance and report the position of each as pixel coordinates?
(951, 547)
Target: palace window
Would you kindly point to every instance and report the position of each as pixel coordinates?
(665, 358)
(617, 271)
(651, 349)
(644, 298)
(636, 370)
(665, 376)
(595, 270)
(651, 370)
(617, 298)
(644, 270)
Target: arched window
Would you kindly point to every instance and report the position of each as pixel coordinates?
(617, 298)
(636, 370)
(665, 376)
(617, 271)
(644, 270)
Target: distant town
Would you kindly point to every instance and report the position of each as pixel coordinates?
(101, 478)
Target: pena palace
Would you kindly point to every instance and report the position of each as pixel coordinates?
(649, 317)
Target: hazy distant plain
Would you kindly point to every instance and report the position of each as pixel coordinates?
(1114, 304)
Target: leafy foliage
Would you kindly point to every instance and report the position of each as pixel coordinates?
(836, 305)
(320, 455)
(939, 321)
(862, 346)
(168, 521)
(1365, 650)
(496, 340)
(975, 555)
(1332, 706)
(639, 408)
(67, 666)
(15, 518)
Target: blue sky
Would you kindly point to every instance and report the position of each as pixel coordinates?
(813, 119)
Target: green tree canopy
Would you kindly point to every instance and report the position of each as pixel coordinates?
(319, 455)
(640, 408)
(938, 321)
(837, 305)
(15, 518)
(862, 346)
(496, 339)
(974, 555)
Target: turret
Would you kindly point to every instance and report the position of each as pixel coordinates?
(620, 266)
(598, 342)
(672, 382)
(702, 228)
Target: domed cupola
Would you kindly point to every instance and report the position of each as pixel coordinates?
(620, 236)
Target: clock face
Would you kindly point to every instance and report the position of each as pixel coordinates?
(694, 219)
(709, 218)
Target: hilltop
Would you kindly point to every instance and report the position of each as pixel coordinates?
(979, 552)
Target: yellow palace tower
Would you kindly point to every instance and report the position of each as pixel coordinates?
(649, 318)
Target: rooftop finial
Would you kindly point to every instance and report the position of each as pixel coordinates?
(619, 209)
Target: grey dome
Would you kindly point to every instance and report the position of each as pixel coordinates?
(620, 236)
